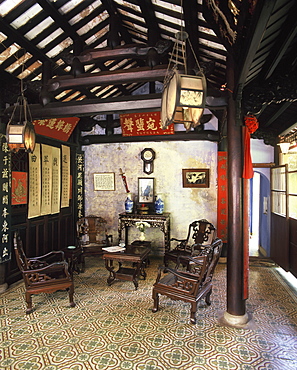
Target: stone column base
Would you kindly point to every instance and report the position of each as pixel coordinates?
(235, 320)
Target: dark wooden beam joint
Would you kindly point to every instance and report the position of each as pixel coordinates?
(141, 51)
(278, 89)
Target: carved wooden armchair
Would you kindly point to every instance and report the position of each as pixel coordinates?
(200, 234)
(92, 236)
(189, 286)
(43, 274)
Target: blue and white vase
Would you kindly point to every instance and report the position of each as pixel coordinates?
(159, 205)
(129, 204)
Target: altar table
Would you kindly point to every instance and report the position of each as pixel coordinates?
(162, 222)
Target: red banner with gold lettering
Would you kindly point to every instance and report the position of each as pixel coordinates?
(222, 225)
(141, 124)
(57, 128)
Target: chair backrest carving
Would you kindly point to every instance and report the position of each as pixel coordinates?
(91, 229)
(201, 232)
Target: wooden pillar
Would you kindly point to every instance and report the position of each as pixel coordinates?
(236, 313)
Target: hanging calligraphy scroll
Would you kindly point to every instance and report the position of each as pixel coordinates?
(56, 180)
(18, 188)
(57, 128)
(65, 176)
(80, 167)
(222, 227)
(34, 183)
(46, 175)
(5, 208)
(141, 124)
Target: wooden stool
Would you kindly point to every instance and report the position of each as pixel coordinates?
(73, 255)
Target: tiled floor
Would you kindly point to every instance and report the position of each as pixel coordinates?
(113, 327)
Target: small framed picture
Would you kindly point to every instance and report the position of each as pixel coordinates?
(146, 190)
(104, 181)
(196, 178)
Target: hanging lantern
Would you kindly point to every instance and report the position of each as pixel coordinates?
(21, 136)
(184, 95)
(183, 100)
(20, 133)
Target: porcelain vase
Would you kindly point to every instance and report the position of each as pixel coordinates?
(159, 205)
(142, 236)
(129, 204)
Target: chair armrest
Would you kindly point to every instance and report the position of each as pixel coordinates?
(52, 268)
(49, 254)
(182, 274)
(177, 240)
(181, 246)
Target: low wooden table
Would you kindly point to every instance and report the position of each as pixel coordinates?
(134, 256)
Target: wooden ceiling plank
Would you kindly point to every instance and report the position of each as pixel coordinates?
(19, 10)
(264, 10)
(58, 18)
(284, 39)
(22, 41)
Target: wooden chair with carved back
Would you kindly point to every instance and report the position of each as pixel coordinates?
(192, 285)
(200, 234)
(92, 236)
(44, 274)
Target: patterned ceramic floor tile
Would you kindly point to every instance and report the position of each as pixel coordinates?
(113, 327)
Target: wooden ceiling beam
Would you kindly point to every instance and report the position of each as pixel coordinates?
(283, 107)
(190, 9)
(209, 135)
(119, 105)
(122, 104)
(112, 9)
(154, 32)
(141, 74)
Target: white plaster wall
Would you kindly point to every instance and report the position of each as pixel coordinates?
(184, 204)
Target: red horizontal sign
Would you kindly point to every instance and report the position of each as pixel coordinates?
(140, 124)
(57, 128)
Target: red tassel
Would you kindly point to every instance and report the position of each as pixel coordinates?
(251, 125)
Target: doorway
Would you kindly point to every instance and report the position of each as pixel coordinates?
(259, 241)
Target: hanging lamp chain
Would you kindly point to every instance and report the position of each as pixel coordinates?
(181, 38)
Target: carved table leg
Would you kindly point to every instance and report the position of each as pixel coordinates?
(71, 292)
(156, 301)
(142, 272)
(110, 268)
(136, 275)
